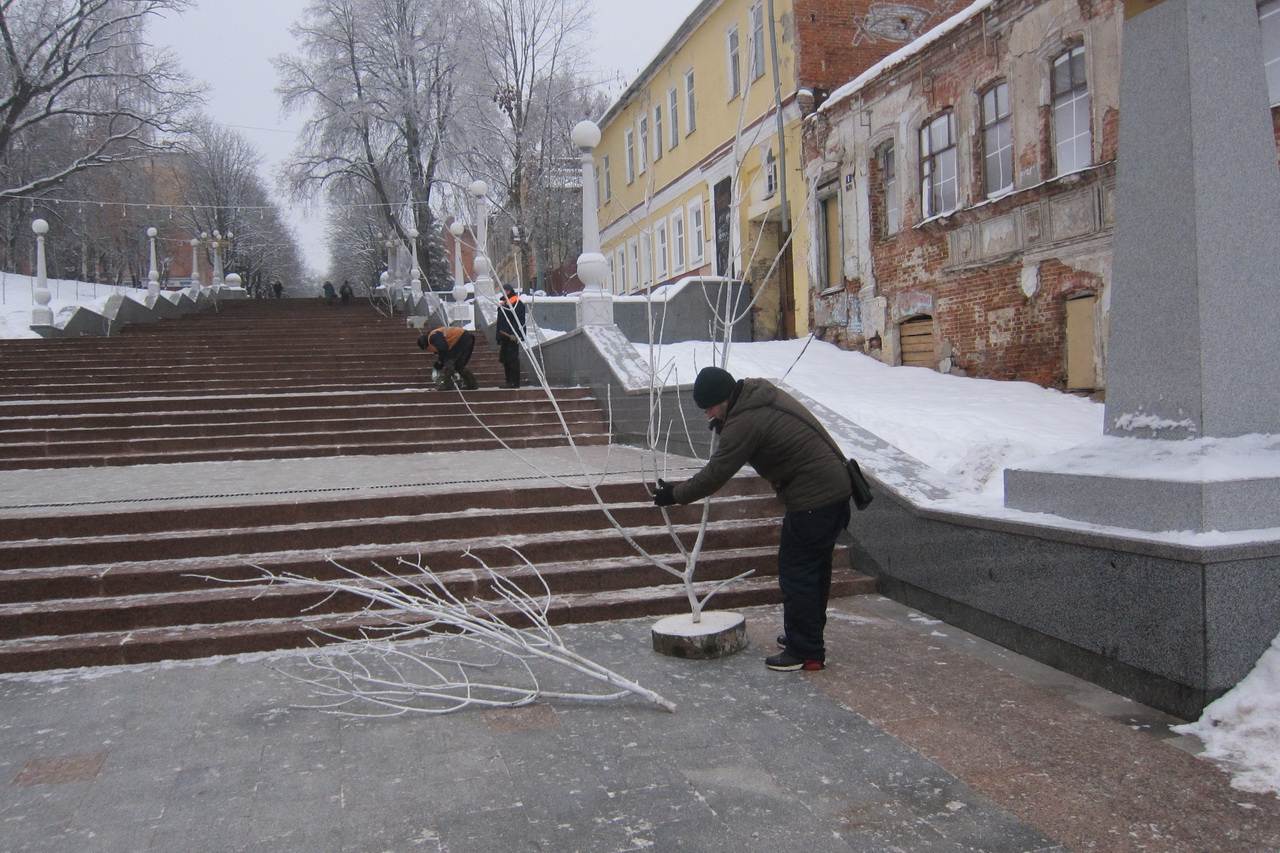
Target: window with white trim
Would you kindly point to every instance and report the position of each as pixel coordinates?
(608, 182)
(770, 174)
(757, 42)
(1269, 18)
(660, 251)
(643, 142)
(938, 185)
(733, 48)
(657, 133)
(1073, 140)
(690, 104)
(889, 189)
(613, 282)
(631, 156)
(633, 249)
(620, 267)
(697, 235)
(997, 140)
(673, 115)
(646, 257)
(677, 242)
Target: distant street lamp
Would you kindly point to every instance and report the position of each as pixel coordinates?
(415, 274)
(195, 264)
(480, 264)
(153, 274)
(595, 303)
(217, 243)
(456, 228)
(42, 314)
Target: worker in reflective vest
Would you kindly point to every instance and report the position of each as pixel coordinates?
(453, 347)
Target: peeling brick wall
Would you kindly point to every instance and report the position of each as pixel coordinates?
(1275, 127)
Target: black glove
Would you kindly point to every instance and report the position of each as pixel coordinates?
(422, 341)
(665, 495)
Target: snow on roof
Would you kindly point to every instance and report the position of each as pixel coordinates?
(904, 53)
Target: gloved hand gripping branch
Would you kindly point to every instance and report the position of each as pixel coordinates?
(665, 494)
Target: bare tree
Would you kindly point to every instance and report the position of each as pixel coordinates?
(81, 89)
(379, 78)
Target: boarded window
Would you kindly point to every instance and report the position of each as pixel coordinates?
(1081, 324)
(916, 339)
(832, 255)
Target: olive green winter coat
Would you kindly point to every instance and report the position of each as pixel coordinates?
(770, 430)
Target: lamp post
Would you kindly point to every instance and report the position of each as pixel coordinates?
(41, 314)
(195, 265)
(216, 244)
(153, 274)
(595, 303)
(415, 274)
(480, 264)
(459, 286)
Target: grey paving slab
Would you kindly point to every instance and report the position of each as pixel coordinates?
(215, 755)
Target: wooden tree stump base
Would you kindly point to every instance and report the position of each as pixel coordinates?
(719, 634)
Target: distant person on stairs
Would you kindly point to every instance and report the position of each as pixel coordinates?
(453, 347)
(346, 292)
(511, 314)
(329, 294)
(277, 287)
(762, 425)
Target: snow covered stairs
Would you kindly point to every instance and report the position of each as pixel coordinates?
(134, 586)
(259, 380)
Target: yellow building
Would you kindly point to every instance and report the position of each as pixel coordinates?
(691, 175)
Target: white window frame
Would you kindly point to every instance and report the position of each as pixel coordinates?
(608, 182)
(690, 104)
(679, 242)
(631, 156)
(756, 16)
(662, 258)
(642, 142)
(1072, 145)
(646, 257)
(887, 151)
(733, 57)
(997, 139)
(1269, 20)
(657, 133)
(612, 281)
(633, 252)
(620, 268)
(770, 174)
(697, 234)
(673, 116)
(933, 160)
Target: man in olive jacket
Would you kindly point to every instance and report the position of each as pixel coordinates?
(762, 425)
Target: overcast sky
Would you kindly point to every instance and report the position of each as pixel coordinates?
(228, 44)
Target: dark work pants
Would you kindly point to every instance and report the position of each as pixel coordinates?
(509, 355)
(804, 573)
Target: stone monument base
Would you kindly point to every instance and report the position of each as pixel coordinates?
(720, 633)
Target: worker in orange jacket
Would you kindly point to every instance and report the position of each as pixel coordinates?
(452, 347)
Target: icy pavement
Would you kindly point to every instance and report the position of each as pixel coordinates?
(917, 737)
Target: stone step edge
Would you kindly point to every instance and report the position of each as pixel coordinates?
(153, 644)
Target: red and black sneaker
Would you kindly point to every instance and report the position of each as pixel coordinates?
(786, 662)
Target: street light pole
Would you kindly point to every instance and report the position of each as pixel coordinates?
(195, 265)
(483, 281)
(41, 314)
(595, 303)
(153, 274)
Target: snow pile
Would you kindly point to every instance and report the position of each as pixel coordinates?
(970, 429)
(17, 297)
(1242, 729)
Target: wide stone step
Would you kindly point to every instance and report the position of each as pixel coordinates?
(408, 529)
(236, 601)
(138, 577)
(155, 405)
(340, 448)
(195, 641)
(255, 439)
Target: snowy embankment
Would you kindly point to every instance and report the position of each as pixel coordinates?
(17, 297)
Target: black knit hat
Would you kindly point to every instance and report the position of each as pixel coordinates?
(713, 385)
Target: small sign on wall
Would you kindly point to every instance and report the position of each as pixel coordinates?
(848, 182)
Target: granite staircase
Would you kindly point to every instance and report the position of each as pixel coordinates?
(86, 584)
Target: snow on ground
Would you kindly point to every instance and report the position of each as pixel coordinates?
(1242, 729)
(970, 429)
(17, 296)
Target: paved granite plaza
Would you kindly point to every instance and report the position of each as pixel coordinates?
(918, 737)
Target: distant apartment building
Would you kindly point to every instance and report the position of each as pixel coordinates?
(964, 193)
(691, 167)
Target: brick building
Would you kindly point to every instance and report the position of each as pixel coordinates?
(963, 210)
(693, 165)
